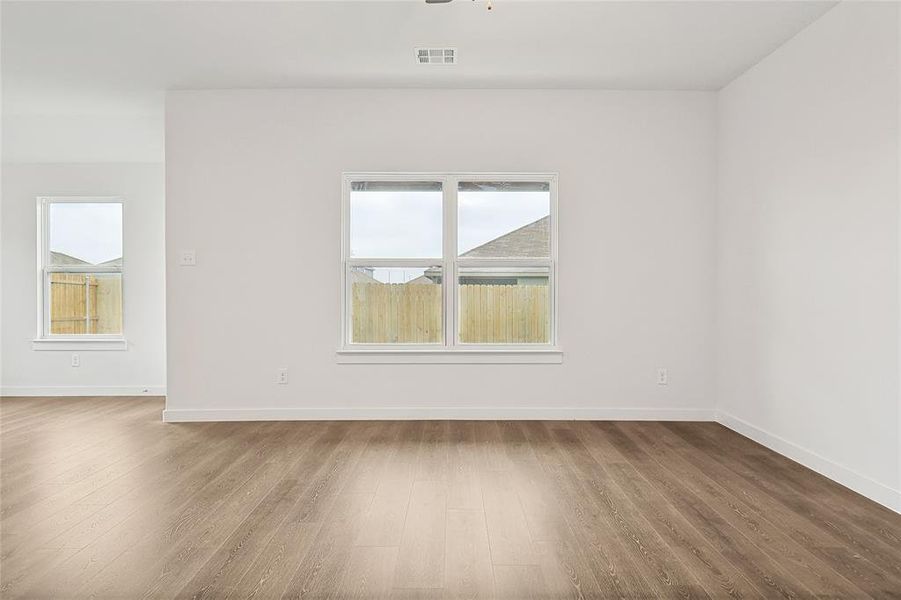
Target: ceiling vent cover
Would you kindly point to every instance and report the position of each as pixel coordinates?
(436, 56)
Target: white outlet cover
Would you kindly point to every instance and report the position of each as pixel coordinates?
(187, 258)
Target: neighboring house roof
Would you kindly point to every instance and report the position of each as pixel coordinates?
(421, 280)
(61, 258)
(358, 276)
(528, 241)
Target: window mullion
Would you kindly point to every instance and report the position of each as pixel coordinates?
(93, 269)
(505, 262)
(87, 303)
(393, 262)
(45, 308)
(450, 264)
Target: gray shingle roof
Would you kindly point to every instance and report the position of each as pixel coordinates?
(528, 241)
(61, 258)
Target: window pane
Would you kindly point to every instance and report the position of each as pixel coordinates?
(504, 306)
(395, 219)
(84, 304)
(504, 219)
(85, 233)
(396, 305)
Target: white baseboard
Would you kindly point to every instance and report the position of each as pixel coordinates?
(84, 390)
(888, 497)
(175, 415)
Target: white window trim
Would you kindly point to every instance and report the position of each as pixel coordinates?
(44, 339)
(452, 351)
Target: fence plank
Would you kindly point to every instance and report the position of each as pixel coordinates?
(489, 314)
(70, 294)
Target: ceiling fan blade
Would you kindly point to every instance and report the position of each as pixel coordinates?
(437, 1)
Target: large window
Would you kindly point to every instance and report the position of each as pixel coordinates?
(449, 262)
(80, 268)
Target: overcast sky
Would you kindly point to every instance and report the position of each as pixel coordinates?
(408, 224)
(89, 231)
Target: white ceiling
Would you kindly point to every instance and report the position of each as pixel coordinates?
(114, 58)
(619, 45)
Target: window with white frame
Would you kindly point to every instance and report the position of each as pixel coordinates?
(80, 268)
(449, 262)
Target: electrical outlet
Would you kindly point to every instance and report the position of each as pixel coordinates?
(662, 377)
(187, 258)
(76, 360)
(282, 377)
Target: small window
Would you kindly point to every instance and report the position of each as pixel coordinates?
(449, 262)
(81, 262)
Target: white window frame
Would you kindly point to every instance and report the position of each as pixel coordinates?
(452, 350)
(50, 341)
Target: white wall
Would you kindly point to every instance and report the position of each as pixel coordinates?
(253, 185)
(78, 139)
(68, 123)
(142, 365)
(808, 238)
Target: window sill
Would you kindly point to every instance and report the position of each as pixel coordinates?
(528, 356)
(80, 344)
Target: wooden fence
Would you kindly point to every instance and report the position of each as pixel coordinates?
(504, 314)
(489, 314)
(74, 295)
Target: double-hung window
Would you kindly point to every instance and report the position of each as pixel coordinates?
(80, 269)
(449, 264)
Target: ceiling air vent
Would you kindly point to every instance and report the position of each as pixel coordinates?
(436, 56)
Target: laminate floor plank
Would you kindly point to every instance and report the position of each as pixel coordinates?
(143, 539)
(80, 462)
(508, 532)
(421, 555)
(383, 522)
(201, 542)
(796, 542)
(804, 566)
(226, 567)
(321, 572)
(96, 555)
(846, 504)
(369, 574)
(665, 571)
(761, 570)
(537, 496)
(517, 582)
(858, 542)
(99, 499)
(464, 490)
(468, 573)
(617, 570)
(433, 456)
